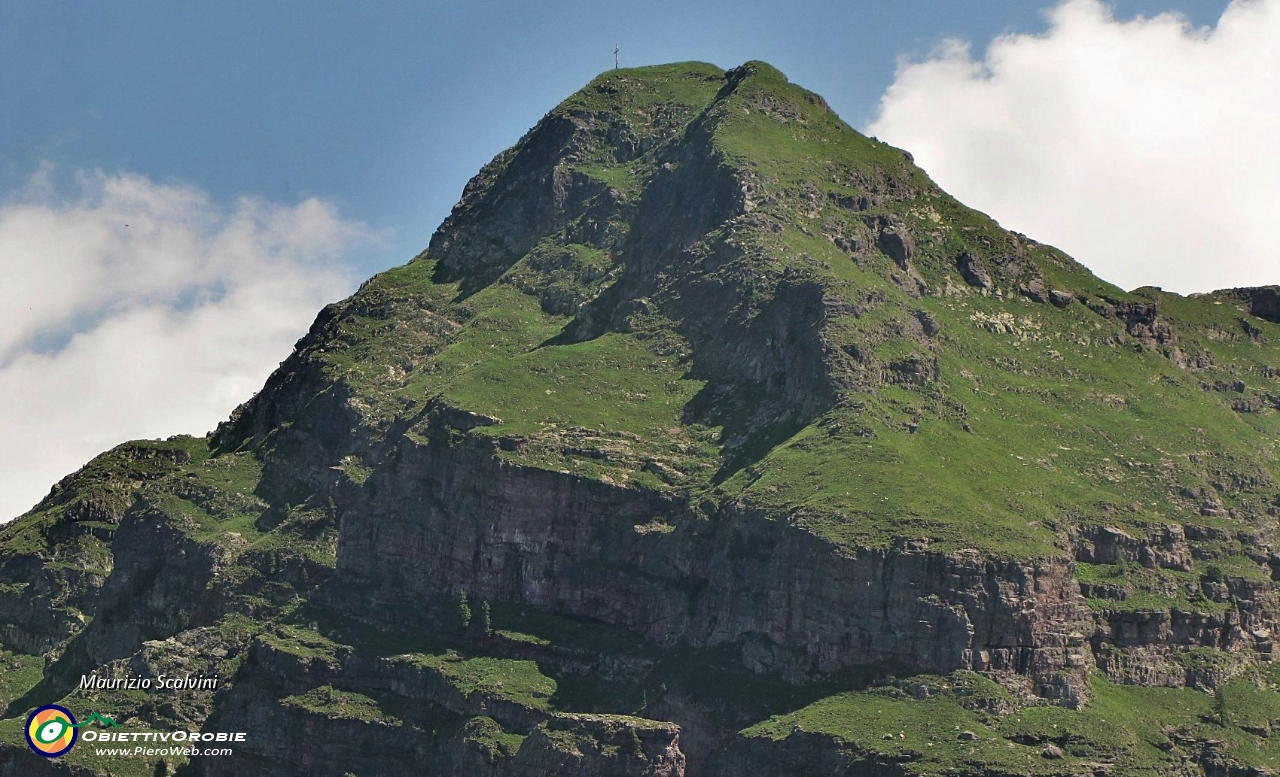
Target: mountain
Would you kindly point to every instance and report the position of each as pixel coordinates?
(706, 437)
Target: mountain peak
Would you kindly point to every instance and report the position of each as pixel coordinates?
(698, 388)
(725, 241)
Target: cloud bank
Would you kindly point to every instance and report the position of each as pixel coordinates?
(135, 309)
(1144, 148)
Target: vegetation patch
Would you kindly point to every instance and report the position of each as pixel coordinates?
(342, 705)
(514, 680)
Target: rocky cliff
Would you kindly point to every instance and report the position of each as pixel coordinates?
(707, 436)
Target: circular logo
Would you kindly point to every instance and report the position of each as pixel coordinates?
(51, 730)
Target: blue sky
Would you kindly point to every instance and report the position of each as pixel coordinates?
(184, 185)
(386, 109)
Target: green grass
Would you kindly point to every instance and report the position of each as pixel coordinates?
(19, 673)
(514, 680)
(1237, 566)
(612, 383)
(1059, 418)
(851, 490)
(787, 134)
(517, 636)
(109, 480)
(1125, 725)
(1021, 422)
(649, 105)
(304, 643)
(341, 705)
(614, 400)
(1204, 657)
(1139, 588)
(1095, 432)
(925, 736)
(496, 741)
(561, 277)
(1141, 601)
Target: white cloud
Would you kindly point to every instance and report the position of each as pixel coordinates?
(1145, 148)
(137, 309)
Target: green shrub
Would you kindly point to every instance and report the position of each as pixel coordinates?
(464, 609)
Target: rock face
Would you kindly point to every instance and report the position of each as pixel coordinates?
(974, 273)
(736, 579)
(317, 733)
(897, 244)
(704, 431)
(1263, 302)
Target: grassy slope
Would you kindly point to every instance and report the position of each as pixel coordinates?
(1038, 413)
(1051, 416)
(1143, 731)
(210, 501)
(1038, 416)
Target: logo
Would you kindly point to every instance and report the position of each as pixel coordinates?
(51, 730)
